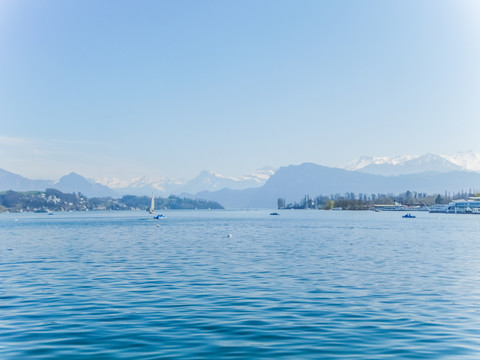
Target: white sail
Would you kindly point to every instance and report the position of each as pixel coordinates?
(152, 206)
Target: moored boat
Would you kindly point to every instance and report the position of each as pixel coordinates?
(438, 208)
(470, 206)
(399, 207)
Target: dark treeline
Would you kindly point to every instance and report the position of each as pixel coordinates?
(352, 201)
(55, 200)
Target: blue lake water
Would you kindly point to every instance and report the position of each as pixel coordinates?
(302, 285)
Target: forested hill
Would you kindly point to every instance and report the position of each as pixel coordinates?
(55, 200)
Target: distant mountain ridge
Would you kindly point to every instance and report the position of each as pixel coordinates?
(402, 165)
(69, 183)
(468, 160)
(77, 183)
(205, 181)
(295, 181)
(11, 181)
(427, 173)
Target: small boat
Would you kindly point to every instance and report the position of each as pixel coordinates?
(409, 216)
(274, 213)
(160, 216)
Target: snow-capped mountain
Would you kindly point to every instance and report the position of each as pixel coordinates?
(365, 161)
(402, 165)
(212, 181)
(142, 185)
(293, 182)
(115, 187)
(206, 180)
(468, 160)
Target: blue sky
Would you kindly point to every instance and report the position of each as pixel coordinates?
(169, 88)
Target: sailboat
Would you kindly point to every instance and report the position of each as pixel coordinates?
(152, 205)
(152, 210)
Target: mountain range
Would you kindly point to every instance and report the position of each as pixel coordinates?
(205, 181)
(401, 165)
(427, 173)
(293, 182)
(68, 184)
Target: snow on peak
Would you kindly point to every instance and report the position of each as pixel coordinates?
(138, 183)
(365, 161)
(468, 160)
(206, 180)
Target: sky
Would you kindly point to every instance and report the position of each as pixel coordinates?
(169, 88)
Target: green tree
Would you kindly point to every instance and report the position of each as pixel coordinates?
(328, 205)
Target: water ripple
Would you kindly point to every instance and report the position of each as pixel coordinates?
(315, 285)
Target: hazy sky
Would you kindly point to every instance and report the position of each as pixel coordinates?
(169, 88)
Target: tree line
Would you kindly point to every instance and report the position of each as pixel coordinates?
(55, 200)
(362, 201)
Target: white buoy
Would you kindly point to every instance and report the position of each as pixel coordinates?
(229, 235)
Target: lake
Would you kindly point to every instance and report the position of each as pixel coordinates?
(239, 285)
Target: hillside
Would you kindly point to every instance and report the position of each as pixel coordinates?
(295, 181)
(55, 200)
